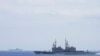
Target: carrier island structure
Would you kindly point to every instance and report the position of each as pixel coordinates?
(68, 50)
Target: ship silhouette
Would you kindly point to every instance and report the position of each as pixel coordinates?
(69, 50)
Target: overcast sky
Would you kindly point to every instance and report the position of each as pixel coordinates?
(35, 24)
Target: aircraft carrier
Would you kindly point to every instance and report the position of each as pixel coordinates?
(69, 50)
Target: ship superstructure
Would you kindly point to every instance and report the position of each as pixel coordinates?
(56, 49)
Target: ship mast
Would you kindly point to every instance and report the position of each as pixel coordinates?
(55, 44)
(66, 44)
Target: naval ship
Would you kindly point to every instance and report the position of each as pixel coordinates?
(69, 50)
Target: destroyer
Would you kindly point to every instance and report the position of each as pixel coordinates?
(69, 50)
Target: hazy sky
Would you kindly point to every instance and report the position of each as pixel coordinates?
(35, 24)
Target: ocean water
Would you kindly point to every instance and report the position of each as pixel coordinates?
(5, 53)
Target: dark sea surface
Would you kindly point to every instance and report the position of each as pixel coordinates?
(6, 53)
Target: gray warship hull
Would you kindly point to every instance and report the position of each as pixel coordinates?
(69, 50)
(65, 53)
